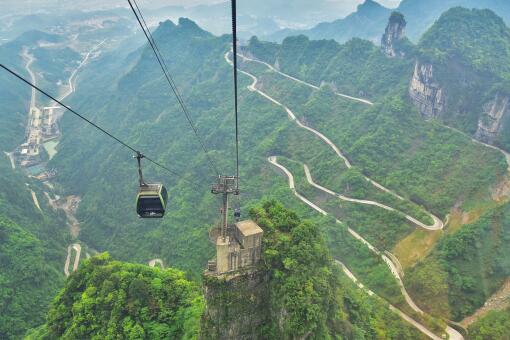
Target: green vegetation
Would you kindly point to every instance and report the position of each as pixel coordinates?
(32, 254)
(494, 325)
(110, 299)
(478, 38)
(296, 256)
(433, 167)
(428, 163)
(470, 50)
(27, 281)
(380, 227)
(467, 267)
(302, 280)
(357, 68)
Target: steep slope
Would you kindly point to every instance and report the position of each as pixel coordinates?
(33, 235)
(28, 280)
(422, 14)
(438, 285)
(32, 250)
(466, 276)
(495, 325)
(462, 75)
(107, 298)
(359, 67)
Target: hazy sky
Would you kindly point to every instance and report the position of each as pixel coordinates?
(349, 4)
(346, 5)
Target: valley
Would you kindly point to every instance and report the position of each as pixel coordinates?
(385, 211)
(43, 132)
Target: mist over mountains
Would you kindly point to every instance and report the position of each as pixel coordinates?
(369, 20)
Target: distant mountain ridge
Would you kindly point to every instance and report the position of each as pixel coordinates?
(367, 22)
(370, 18)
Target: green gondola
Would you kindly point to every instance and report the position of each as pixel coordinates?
(152, 198)
(151, 201)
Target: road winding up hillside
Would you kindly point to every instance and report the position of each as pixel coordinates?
(438, 224)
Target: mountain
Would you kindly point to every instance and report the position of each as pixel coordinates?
(32, 238)
(459, 275)
(461, 51)
(115, 299)
(369, 20)
(462, 66)
(134, 301)
(127, 95)
(422, 14)
(340, 116)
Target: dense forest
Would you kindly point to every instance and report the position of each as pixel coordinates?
(110, 299)
(430, 170)
(495, 325)
(107, 298)
(32, 242)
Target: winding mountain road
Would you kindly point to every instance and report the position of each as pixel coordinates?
(77, 248)
(272, 68)
(72, 79)
(30, 59)
(476, 141)
(453, 334)
(394, 309)
(438, 223)
(154, 262)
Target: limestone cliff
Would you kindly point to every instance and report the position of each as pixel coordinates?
(491, 122)
(395, 32)
(426, 93)
(236, 306)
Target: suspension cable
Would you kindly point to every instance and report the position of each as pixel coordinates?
(234, 48)
(118, 140)
(161, 61)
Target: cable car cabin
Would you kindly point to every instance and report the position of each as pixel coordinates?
(151, 201)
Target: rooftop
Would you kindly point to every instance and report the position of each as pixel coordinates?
(248, 228)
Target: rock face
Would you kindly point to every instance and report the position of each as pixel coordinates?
(236, 307)
(426, 93)
(491, 122)
(395, 31)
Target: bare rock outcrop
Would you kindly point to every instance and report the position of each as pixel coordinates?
(395, 31)
(426, 93)
(491, 122)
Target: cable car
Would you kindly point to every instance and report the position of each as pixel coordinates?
(151, 201)
(152, 198)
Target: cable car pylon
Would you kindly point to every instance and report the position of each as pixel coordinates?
(226, 186)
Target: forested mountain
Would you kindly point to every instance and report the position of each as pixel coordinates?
(106, 298)
(32, 241)
(390, 205)
(473, 42)
(463, 62)
(369, 20)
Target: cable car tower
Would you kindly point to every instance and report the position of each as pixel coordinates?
(227, 185)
